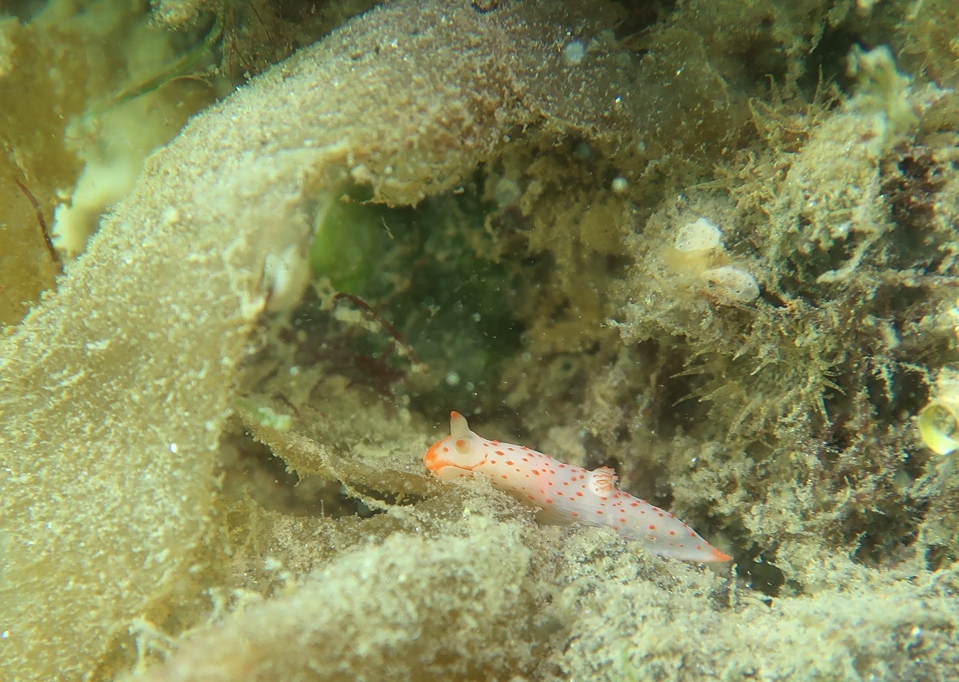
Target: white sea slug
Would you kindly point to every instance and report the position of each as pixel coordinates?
(731, 284)
(699, 235)
(563, 493)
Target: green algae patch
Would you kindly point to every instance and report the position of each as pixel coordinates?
(349, 241)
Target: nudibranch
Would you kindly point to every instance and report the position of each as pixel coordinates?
(564, 493)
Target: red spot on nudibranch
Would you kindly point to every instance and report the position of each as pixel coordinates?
(661, 514)
(652, 527)
(622, 520)
(562, 466)
(549, 501)
(599, 511)
(509, 464)
(699, 547)
(692, 534)
(445, 449)
(536, 471)
(499, 452)
(574, 513)
(504, 476)
(579, 494)
(672, 532)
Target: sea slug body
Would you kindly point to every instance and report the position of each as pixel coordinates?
(564, 493)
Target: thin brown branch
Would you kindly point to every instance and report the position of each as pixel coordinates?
(356, 300)
(42, 222)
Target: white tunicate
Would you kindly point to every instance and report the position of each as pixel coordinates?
(574, 52)
(507, 191)
(287, 273)
(731, 284)
(700, 235)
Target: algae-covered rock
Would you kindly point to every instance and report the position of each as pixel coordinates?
(115, 389)
(642, 621)
(409, 609)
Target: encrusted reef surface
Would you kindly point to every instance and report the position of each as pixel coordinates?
(709, 244)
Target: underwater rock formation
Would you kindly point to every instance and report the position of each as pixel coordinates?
(757, 374)
(408, 609)
(115, 389)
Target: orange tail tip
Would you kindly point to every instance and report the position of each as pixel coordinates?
(719, 556)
